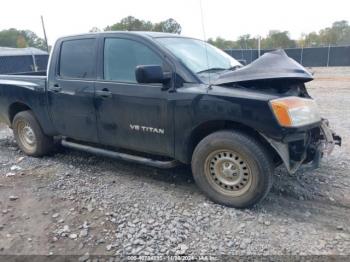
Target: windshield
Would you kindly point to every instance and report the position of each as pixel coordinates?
(198, 55)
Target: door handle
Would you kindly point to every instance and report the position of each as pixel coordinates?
(104, 93)
(56, 88)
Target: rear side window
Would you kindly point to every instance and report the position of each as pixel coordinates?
(77, 59)
(121, 56)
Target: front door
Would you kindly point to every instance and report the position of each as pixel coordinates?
(132, 115)
(71, 93)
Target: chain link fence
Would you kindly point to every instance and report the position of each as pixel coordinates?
(309, 56)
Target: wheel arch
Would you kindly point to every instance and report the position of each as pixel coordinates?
(209, 127)
(15, 108)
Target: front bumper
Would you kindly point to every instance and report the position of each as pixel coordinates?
(316, 143)
(329, 139)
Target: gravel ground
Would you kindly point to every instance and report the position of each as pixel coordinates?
(76, 203)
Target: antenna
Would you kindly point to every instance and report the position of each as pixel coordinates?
(43, 25)
(204, 36)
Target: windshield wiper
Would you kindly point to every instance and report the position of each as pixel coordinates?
(219, 69)
(233, 68)
(211, 69)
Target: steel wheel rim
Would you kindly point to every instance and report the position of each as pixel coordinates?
(26, 135)
(228, 172)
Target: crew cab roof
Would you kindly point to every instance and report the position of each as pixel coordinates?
(139, 33)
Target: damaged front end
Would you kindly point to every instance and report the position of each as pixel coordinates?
(306, 137)
(306, 147)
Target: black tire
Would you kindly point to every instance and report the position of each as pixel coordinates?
(29, 135)
(232, 169)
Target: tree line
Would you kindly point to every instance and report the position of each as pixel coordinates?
(20, 39)
(26, 38)
(337, 34)
(131, 23)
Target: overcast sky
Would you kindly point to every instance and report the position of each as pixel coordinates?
(225, 18)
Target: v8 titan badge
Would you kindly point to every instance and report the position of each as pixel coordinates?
(147, 129)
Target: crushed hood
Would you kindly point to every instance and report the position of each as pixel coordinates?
(271, 65)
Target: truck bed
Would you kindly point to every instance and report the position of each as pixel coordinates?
(26, 81)
(38, 73)
(25, 89)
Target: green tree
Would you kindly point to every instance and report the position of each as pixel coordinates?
(131, 23)
(277, 39)
(243, 42)
(247, 42)
(21, 38)
(169, 26)
(8, 38)
(222, 43)
(308, 40)
(337, 34)
(34, 41)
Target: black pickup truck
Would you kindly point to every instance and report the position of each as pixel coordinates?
(162, 100)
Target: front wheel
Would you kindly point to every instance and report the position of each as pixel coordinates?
(29, 135)
(232, 169)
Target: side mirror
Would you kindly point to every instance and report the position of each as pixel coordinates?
(147, 74)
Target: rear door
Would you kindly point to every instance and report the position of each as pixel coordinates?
(132, 115)
(71, 90)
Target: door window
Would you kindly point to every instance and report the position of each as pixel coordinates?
(77, 59)
(121, 56)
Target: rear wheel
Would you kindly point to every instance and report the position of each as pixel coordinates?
(29, 135)
(232, 169)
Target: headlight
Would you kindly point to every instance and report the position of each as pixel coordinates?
(295, 111)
